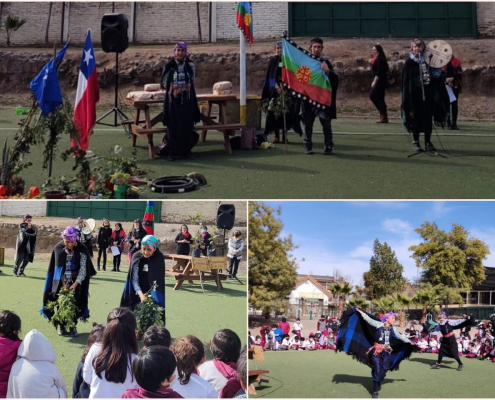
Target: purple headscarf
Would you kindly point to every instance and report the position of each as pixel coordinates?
(70, 233)
(443, 313)
(389, 314)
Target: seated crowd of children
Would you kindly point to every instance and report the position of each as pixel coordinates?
(112, 366)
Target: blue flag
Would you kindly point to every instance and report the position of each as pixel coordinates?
(46, 87)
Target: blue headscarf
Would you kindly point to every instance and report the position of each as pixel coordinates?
(151, 241)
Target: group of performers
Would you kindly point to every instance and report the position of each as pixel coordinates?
(379, 345)
(424, 96)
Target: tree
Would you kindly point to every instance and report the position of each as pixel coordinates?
(272, 269)
(400, 302)
(450, 258)
(426, 297)
(449, 295)
(342, 290)
(385, 274)
(358, 301)
(383, 304)
(12, 24)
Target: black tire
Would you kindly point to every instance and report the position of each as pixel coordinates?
(173, 184)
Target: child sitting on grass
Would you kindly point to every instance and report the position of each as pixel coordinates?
(10, 326)
(226, 347)
(153, 369)
(190, 354)
(34, 374)
(80, 389)
(157, 336)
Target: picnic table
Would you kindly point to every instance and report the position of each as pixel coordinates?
(145, 128)
(190, 269)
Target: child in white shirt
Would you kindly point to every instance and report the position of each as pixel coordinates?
(297, 327)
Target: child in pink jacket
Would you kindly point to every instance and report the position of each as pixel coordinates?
(10, 326)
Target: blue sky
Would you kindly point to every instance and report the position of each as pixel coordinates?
(340, 234)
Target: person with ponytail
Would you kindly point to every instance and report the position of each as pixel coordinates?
(108, 365)
(183, 240)
(190, 354)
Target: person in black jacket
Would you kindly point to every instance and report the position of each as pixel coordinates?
(103, 241)
(183, 240)
(453, 73)
(135, 237)
(379, 67)
(205, 240)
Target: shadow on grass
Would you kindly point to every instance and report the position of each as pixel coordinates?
(211, 290)
(364, 381)
(264, 384)
(429, 361)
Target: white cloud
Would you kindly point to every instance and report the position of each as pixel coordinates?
(396, 225)
(440, 208)
(488, 236)
(363, 251)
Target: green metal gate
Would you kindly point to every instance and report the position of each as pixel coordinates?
(391, 19)
(114, 210)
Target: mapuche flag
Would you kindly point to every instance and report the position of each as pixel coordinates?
(302, 74)
(245, 20)
(149, 216)
(87, 95)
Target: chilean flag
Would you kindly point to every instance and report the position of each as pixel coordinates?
(88, 94)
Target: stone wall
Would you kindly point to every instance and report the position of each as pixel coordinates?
(177, 212)
(486, 18)
(16, 208)
(270, 18)
(48, 236)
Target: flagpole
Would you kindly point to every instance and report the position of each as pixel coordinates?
(242, 78)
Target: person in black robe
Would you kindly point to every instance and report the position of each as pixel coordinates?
(135, 237)
(147, 267)
(373, 342)
(85, 239)
(453, 74)
(424, 97)
(103, 241)
(25, 245)
(270, 98)
(379, 68)
(205, 241)
(70, 267)
(309, 111)
(448, 342)
(180, 109)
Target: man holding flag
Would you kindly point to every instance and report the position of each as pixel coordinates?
(87, 95)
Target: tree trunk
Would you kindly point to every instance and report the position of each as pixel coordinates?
(341, 306)
(402, 320)
(200, 38)
(423, 318)
(48, 22)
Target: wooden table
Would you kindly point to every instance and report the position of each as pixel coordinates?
(145, 128)
(190, 269)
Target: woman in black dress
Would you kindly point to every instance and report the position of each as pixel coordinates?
(135, 237)
(424, 97)
(183, 240)
(379, 67)
(103, 241)
(448, 341)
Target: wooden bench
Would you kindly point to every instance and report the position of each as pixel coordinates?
(255, 376)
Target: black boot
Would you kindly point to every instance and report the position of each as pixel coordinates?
(429, 147)
(417, 147)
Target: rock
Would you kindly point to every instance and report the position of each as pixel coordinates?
(349, 71)
(404, 56)
(339, 64)
(360, 61)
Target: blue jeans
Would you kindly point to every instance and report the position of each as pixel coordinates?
(381, 364)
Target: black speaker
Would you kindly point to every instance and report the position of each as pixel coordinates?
(114, 38)
(226, 216)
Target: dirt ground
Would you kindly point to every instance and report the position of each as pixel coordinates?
(164, 232)
(475, 104)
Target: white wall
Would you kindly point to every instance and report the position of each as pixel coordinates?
(18, 208)
(304, 289)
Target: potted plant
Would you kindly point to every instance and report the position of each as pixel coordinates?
(55, 191)
(120, 181)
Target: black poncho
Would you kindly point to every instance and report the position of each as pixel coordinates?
(26, 243)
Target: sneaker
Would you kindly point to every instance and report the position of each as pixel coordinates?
(417, 147)
(61, 331)
(435, 366)
(374, 395)
(429, 147)
(328, 151)
(459, 368)
(73, 333)
(310, 151)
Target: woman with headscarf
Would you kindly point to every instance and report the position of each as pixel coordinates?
(180, 109)
(135, 236)
(85, 239)
(379, 68)
(70, 268)
(424, 97)
(147, 267)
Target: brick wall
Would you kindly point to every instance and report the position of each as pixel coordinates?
(16, 208)
(178, 212)
(36, 16)
(270, 19)
(486, 18)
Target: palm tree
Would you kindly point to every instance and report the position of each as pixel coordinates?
(342, 290)
(358, 301)
(426, 298)
(11, 24)
(383, 304)
(401, 301)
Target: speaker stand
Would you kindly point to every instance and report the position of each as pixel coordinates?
(116, 111)
(223, 247)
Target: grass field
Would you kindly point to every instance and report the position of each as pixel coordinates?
(325, 374)
(370, 162)
(188, 311)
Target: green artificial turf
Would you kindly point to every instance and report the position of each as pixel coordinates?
(370, 162)
(326, 374)
(189, 311)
